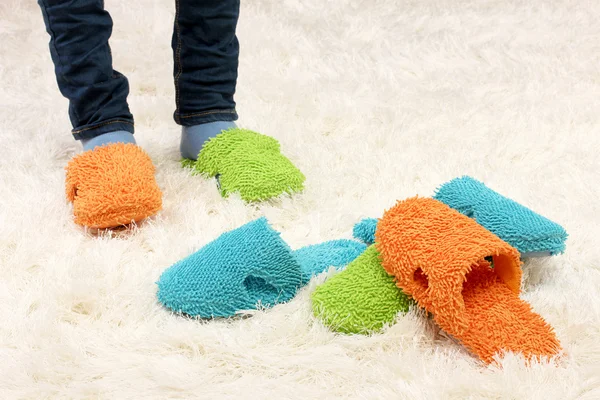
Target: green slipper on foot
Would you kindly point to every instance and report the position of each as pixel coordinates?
(360, 299)
(249, 163)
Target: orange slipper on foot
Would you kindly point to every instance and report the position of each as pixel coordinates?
(438, 257)
(112, 185)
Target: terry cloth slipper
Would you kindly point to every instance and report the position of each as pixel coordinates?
(249, 163)
(243, 268)
(531, 233)
(316, 258)
(360, 299)
(112, 185)
(364, 230)
(438, 257)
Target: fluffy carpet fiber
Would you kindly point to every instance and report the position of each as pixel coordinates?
(374, 101)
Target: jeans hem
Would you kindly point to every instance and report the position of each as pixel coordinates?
(93, 130)
(202, 117)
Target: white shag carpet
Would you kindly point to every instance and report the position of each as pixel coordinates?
(375, 101)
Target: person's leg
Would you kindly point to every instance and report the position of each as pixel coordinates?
(79, 32)
(112, 184)
(205, 52)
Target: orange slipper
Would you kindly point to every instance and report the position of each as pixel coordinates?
(438, 257)
(112, 185)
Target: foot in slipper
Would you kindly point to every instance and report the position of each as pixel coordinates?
(438, 257)
(249, 163)
(360, 299)
(112, 185)
(246, 267)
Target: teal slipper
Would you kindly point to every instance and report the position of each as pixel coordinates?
(318, 257)
(248, 267)
(530, 233)
(522, 228)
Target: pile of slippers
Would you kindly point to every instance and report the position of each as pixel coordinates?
(456, 255)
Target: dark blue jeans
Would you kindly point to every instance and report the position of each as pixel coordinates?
(205, 53)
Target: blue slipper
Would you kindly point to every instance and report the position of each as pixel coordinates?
(530, 233)
(247, 267)
(317, 258)
(364, 230)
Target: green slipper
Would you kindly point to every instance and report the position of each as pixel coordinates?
(360, 299)
(249, 163)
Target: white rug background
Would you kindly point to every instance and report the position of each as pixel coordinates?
(375, 101)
